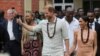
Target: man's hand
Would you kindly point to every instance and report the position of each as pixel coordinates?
(25, 25)
(66, 53)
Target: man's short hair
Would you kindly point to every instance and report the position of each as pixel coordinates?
(50, 8)
(69, 9)
(91, 11)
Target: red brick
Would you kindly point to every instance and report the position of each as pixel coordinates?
(18, 4)
(35, 5)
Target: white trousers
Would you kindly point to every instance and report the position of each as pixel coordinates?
(54, 54)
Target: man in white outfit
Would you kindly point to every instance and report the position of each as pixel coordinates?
(72, 24)
(54, 31)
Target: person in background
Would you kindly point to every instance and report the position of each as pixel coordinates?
(85, 39)
(30, 42)
(43, 16)
(80, 13)
(60, 14)
(97, 14)
(72, 24)
(2, 19)
(64, 12)
(4, 38)
(37, 14)
(94, 26)
(35, 19)
(15, 32)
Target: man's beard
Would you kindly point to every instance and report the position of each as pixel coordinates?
(48, 17)
(91, 20)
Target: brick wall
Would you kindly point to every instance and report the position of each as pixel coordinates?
(35, 5)
(18, 4)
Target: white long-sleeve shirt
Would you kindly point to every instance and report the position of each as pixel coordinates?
(71, 28)
(53, 46)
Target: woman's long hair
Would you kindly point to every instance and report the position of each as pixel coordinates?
(86, 19)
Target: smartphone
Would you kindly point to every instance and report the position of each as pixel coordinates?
(20, 17)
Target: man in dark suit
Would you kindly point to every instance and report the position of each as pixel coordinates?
(97, 14)
(2, 19)
(95, 26)
(3, 38)
(14, 31)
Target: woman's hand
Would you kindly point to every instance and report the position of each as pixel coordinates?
(22, 51)
(19, 21)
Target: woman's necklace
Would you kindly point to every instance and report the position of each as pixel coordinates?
(82, 36)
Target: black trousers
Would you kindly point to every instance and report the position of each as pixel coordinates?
(98, 53)
(13, 48)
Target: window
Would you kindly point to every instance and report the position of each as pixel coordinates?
(58, 1)
(68, 1)
(67, 6)
(58, 8)
(62, 4)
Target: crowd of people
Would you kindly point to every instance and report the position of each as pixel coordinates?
(51, 33)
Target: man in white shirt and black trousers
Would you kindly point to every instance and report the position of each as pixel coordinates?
(72, 24)
(54, 31)
(14, 31)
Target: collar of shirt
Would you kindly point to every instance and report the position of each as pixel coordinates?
(95, 19)
(93, 25)
(72, 20)
(98, 19)
(10, 20)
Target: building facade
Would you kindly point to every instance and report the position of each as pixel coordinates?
(37, 5)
